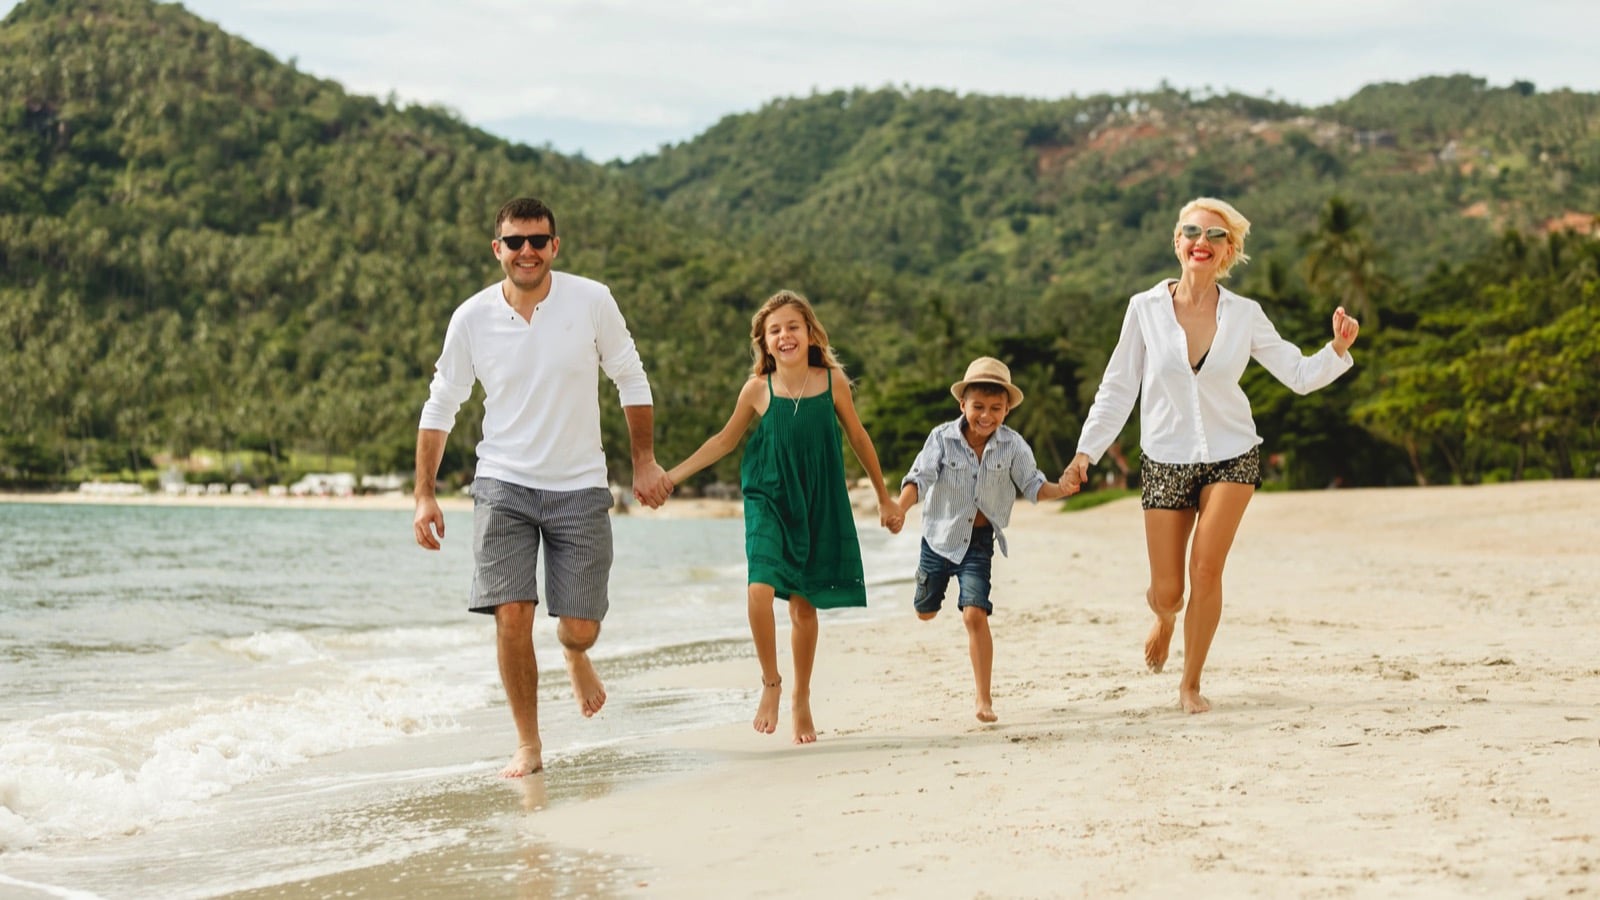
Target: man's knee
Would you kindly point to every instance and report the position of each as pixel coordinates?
(513, 619)
(577, 635)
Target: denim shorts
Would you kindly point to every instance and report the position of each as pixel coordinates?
(972, 573)
(1177, 485)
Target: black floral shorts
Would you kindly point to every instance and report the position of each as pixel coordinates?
(1177, 485)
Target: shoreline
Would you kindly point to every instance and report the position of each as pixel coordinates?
(676, 508)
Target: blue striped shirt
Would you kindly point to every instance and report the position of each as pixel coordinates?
(954, 486)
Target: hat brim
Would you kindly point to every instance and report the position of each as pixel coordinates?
(1012, 391)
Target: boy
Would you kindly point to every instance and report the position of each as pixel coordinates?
(970, 471)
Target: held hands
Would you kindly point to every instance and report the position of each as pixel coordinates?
(1076, 474)
(651, 486)
(890, 515)
(1345, 329)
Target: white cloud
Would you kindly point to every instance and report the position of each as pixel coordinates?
(635, 70)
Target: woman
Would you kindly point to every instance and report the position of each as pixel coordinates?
(1184, 346)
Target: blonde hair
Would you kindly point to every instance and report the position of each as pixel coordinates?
(819, 352)
(1238, 228)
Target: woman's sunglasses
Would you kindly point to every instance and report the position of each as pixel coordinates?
(1213, 234)
(514, 242)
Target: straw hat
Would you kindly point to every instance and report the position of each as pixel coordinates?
(988, 370)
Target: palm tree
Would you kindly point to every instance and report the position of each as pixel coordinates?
(1342, 262)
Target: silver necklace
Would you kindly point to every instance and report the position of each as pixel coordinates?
(794, 396)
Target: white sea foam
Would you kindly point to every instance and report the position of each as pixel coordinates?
(96, 774)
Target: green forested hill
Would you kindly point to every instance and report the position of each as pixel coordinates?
(201, 247)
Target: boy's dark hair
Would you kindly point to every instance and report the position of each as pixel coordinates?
(986, 389)
(524, 208)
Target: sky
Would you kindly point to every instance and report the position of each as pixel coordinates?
(620, 78)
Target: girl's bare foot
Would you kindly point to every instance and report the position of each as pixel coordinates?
(804, 731)
(986, 713)
(766, 720)
(1191, 701)
(586, 684)
(525, 761)
(1156, 645)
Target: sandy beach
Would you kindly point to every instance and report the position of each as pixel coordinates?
(1404, 706)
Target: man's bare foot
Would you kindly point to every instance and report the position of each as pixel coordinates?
(586, 684)
(1191, 701)
(804, 731)
(1157, 644)
(525, 761)
(766, 720)
(986, 713)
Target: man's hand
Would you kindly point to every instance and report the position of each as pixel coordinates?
(651, 485)
(428, 523)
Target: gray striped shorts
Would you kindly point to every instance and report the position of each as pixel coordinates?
(510, 521)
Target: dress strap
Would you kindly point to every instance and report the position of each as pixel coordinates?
(770, 394)
(830, 381)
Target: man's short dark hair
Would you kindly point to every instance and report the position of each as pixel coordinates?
(524, 208)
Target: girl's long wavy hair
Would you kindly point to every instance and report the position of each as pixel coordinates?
(819, 353)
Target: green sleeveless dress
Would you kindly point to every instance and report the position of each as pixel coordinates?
(799, 533)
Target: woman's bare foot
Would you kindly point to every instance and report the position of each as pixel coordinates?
(1157, 644)
(1191, 701)
(804, 731)
(525, 761)
(986, 713)
(586, 684)
(766, 720)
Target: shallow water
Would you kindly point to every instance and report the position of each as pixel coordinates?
(201, 701)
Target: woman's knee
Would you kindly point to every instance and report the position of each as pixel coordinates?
(1165, 598)
(801, 612)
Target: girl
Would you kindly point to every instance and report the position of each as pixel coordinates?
(800, 537)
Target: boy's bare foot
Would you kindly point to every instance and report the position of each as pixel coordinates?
(986, 713)
(1157, 644)
(804, 731)
(586, 684)
(525, 761)
(766, 720)
(1191, 701)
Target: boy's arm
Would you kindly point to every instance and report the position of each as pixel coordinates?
(908, 496)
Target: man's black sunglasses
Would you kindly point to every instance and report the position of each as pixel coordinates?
(514, 242)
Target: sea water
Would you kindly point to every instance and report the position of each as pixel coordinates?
(191, 697)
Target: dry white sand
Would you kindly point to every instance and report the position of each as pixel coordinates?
(1407, 703)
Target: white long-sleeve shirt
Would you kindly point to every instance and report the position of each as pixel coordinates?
(541, 410)
(1187, 416)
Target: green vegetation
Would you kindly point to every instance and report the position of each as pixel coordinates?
(202, 247)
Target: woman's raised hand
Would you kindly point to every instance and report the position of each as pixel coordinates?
(1345, 329)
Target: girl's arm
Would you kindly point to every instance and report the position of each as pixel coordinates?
(844, 406)
(722, 443)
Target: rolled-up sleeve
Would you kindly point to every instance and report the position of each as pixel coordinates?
(453, 377)
(925, 468)
(619, 358)
(1298, 372)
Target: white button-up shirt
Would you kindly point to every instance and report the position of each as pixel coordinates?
(541, 405)
(954, 485)
(1187, 416)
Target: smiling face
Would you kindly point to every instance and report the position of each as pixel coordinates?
(1201, 255)
(527, 268)
(984, 407)
(786, 337)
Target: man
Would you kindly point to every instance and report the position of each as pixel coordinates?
(534, 340)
